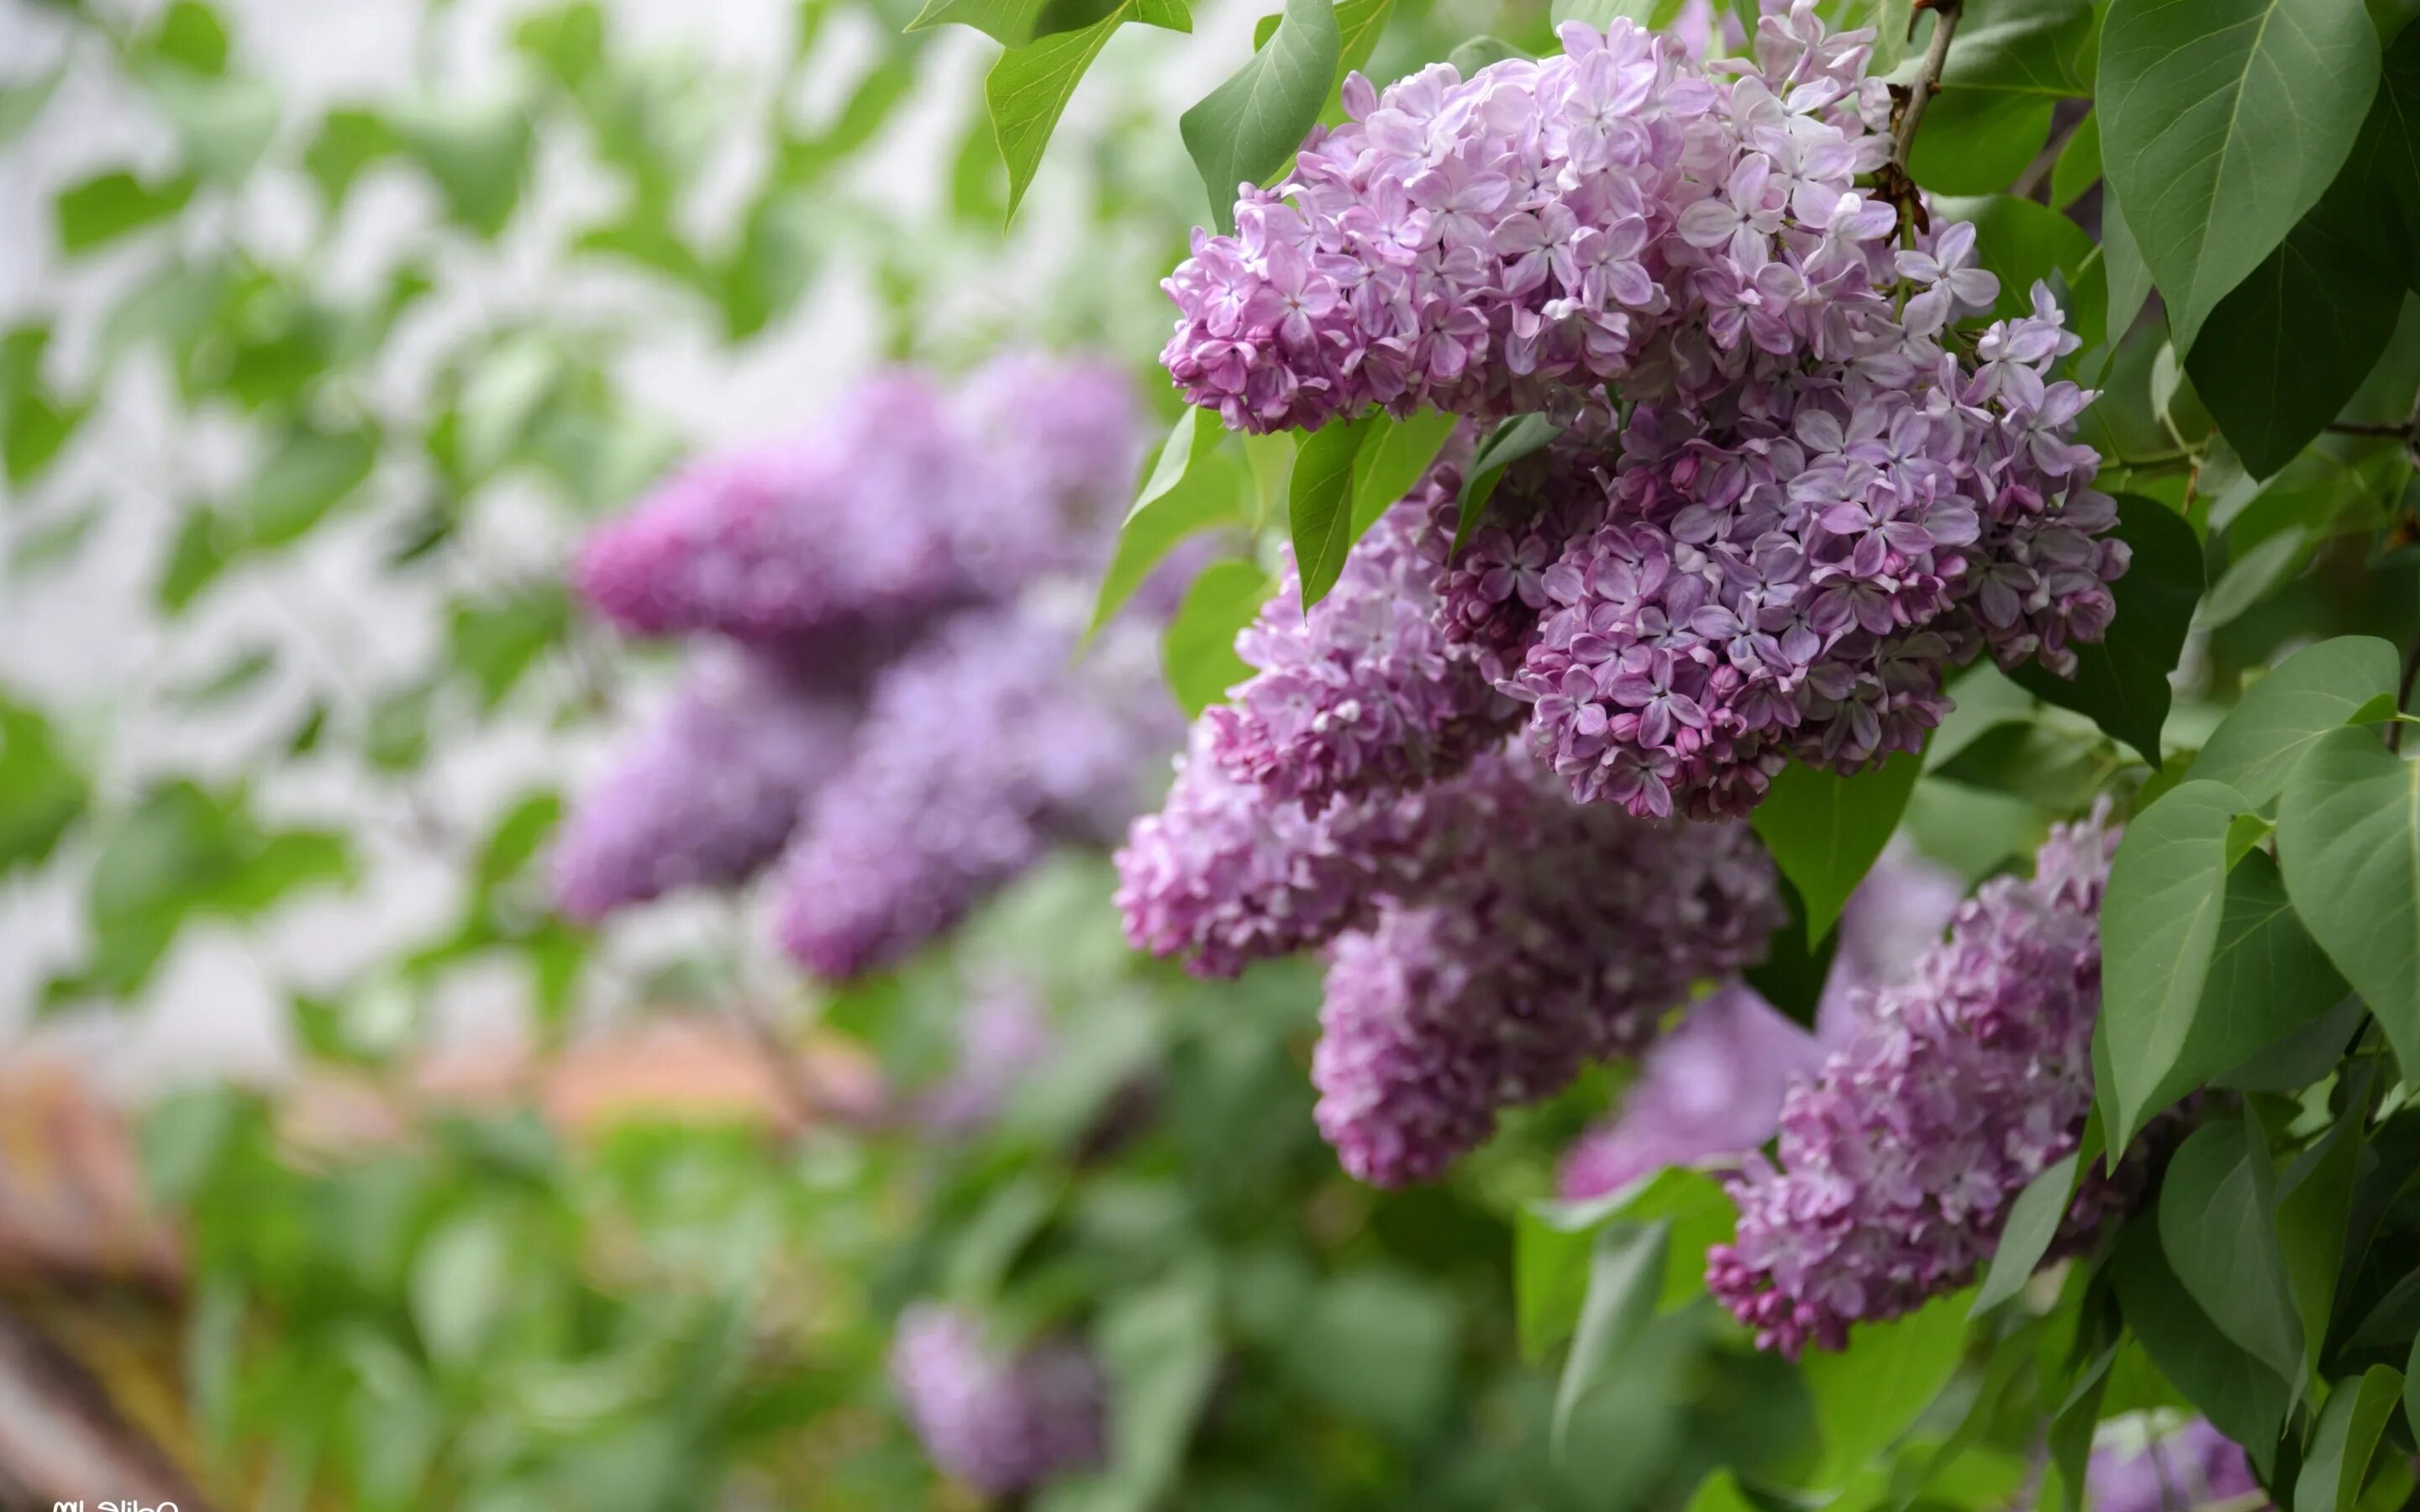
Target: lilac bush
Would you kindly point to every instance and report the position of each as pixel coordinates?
(1002, 1423)
(1897, 1160)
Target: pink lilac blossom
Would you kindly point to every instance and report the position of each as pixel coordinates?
(1897, 1160)
(1827, 492)
(2194, 1467)
(1712, 1088)
(1363, 693)
(707, 794)
(1564, 940)
(903, 503)
(980, 750)
(1000, 1423)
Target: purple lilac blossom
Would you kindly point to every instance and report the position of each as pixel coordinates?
(1001, 1424)
(1712, 1088)
(1564, 940)
(980, 750)
(903, 503)
(1897, 1160)
(708, 794)
(1363, 693)
(2194, 1467)
(1820, 506)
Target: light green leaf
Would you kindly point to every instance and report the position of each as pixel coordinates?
(1028, 90)
(100, 209)
(460, 1286)
(1508, 443)
(225, 122)
(1198, 649)
(2217, 1230)
(1552, 1242)
(2221, 123)
(1318, 504)
(1247, 129)
(2033, 1222)
(502, 395)
(1206, 491)
(2346, 1441)
(1009, 23)
(1393, 460)
(2286, 711)
(1655, 15)
(1825, 830)
(21, 104)
(2159, 922)
(2348, 838)
(2122, 682)
(41, 791)
(478, 153)
(1869, 1393)
(300, 481)
(1625, 1272)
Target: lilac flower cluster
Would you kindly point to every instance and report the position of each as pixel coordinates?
(2196, 1466)
(709, 792)
(901, 708)
(1490, 936)
(1365, 693)
(1826, 493)
(1000, 1423)
(977, 753)
(1898, 1160)
(1712, 1088)
(903, 503)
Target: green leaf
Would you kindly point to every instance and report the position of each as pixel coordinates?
(1028, 90)
(2348, 837)
(52, 543)
(1160, 1346)
(225, 123)
(2079, 164)
(1825, 830)
(478, 153)
(2285, 349)
(2160, 921)
(2346, 1441)
(2242, 1398)
(189, 35)
(2222, 122)
(300, 481)
(1480, 52)
(1869, 1393)
(2217, 1230)
(1655, 15)
(1205, 491)
(1792, 974)
(1009, 23)
(348, 141)
(2121, 683)
(243, 671)
(21, 104)
(1393, 460)
(2025, 1238)
(98, 210)
(1247, 129)
(41, 791)
(1625, 1273)
(1198, 649)
(493, 642)
(1359, 24)
(502, 395)
(1552, 1242)
(2286, 711)
(459, 1281)
(1976, 141)
(1318, 504)
(2130, 281)
(2314, 1211)
(1377, 1346)
(1508, 443)
(204, 544)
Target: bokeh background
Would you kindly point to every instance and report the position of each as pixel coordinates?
(337, 1170)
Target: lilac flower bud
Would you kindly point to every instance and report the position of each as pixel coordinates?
(1001, 1424)
(1563, 942)
(980, 751)
(1362, 694)
(708, 794)
(2194, 1467)
(1898, 1161)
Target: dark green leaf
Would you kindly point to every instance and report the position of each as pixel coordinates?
(1974, 142)
(2079, 164)
(1508, 443)
(1319, 511)
(494, 642)
(2346, 1441)
(41, 791)
(2122, 682)
(1552, 1242)
(1247, 129)
(2314, 1210)
(1825, 830)
(2348, 838)
(2130, 281)
(2216, 1228)
(308, 473)
(2242, 1398)
(2284, 714)
(1199, 650)
(1625, 1273)
(107, 205)
(1793, 973)
(1161, 1347)
(2161, 920)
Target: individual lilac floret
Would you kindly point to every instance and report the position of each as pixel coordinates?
(1712, 1088)
(979, 752)
(1005, 1032)
(902, 504)
(1515, 241)
(1565, 941)
(2194, 1467)
(1898, 1161)
(1796, 578)
(710, 792)
(1362, 694)
(1000, 1423)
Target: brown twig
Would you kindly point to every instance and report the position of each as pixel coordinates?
(1896, 185)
